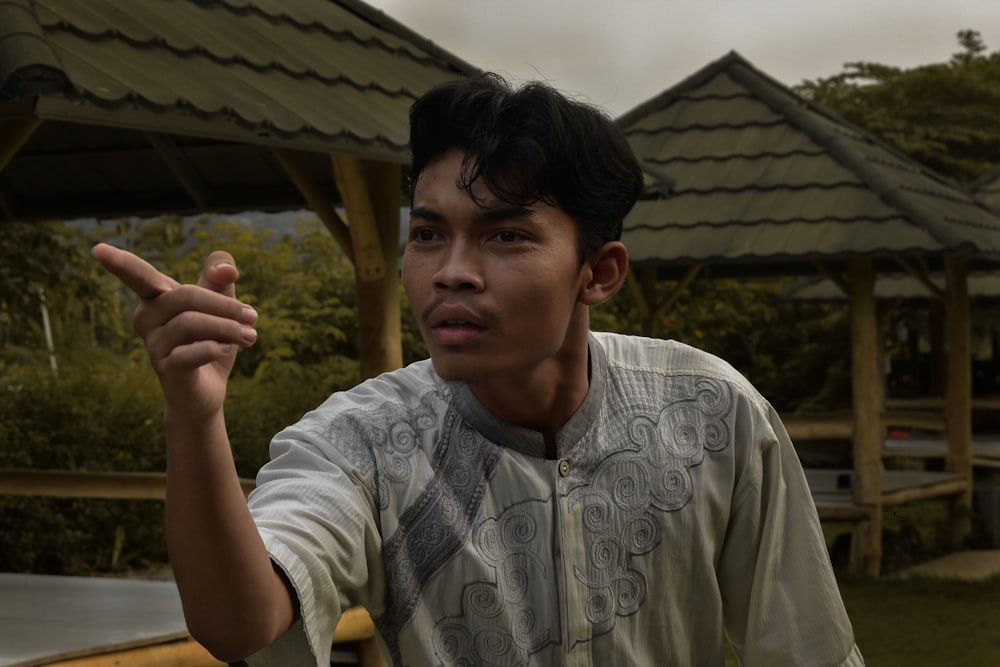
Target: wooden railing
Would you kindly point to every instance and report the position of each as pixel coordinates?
(87, 484)
(355, 627)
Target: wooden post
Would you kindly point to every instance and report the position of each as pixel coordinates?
(378, 299)
(867, 400)
(369, 260)
(958, 401)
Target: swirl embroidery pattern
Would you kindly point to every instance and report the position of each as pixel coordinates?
(439, 521)
(645, 472)
(651, 471)
(499, 625)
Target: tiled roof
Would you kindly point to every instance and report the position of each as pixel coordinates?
(750, 172)
(312, 75)
(987, 189)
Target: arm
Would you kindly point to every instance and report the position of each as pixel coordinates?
(234, 600)
(781, 599)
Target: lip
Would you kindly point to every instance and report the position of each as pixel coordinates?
(454, 324)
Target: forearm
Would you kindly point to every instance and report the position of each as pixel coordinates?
(234, 601)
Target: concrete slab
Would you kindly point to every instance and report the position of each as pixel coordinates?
(43, 617)
(978, 565)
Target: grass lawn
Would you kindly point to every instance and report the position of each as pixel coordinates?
(923, 622)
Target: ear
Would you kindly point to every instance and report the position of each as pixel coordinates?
(604, 273)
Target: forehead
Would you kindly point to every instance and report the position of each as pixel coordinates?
(442, 178)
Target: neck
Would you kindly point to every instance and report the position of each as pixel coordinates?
(544, 397)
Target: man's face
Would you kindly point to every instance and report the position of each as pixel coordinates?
(494, 287)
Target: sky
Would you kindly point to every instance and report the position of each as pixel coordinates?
(619, 53)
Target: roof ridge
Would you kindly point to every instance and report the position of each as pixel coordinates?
(694, 80)
(382, 20)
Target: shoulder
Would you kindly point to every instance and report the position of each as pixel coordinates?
(365, 414)
(402, 387)
(670, 358)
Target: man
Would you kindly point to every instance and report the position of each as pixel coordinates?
(535, 493)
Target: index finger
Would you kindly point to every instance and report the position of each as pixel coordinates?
(136, 273)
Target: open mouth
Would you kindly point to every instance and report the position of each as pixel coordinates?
(457, 324)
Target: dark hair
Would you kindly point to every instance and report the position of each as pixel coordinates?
(531, 144)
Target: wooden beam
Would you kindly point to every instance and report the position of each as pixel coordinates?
(316, 199)
(953, 487)
(181, 168)
(677, 291)
(834, 276)
(13, 135)
(86, 484)
(822, 426)
(369, 260)
(186, 652)
(921, 276)
(958, 399)
(867, 399)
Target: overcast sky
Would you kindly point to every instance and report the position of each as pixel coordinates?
(619, 53)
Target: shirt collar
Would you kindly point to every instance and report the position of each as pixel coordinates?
(527, 441)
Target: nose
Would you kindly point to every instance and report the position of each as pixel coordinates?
(460, 268)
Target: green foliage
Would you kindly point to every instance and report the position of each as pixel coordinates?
(796, 354)
(97, 414)
(257, 407)
(103, 410)
(51, 261)
(944, 115)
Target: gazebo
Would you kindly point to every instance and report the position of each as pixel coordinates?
(746, 178)
(220, 106)
(112, 109)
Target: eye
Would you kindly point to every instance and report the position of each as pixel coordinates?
(507, 236)
(422, 234)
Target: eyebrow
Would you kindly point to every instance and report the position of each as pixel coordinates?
(504, 213)
(426, 214)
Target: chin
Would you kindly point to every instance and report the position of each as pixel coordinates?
(452, 370)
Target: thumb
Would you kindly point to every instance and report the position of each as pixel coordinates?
(219, 273)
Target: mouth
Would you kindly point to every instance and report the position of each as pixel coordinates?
(456, 324)
(455, 329)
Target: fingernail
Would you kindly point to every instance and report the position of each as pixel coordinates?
(249, 334)
(249, 315)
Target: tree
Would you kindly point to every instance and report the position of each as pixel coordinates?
(945, 115)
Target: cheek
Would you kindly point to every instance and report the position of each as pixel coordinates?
(409, 275)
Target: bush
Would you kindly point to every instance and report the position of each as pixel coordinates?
(96, 415)
(100, 414)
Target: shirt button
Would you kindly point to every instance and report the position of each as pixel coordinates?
(564, 467)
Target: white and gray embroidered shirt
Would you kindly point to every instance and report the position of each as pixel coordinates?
(675, 514)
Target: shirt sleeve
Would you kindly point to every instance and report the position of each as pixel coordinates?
(315, 509)
(781, 602)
